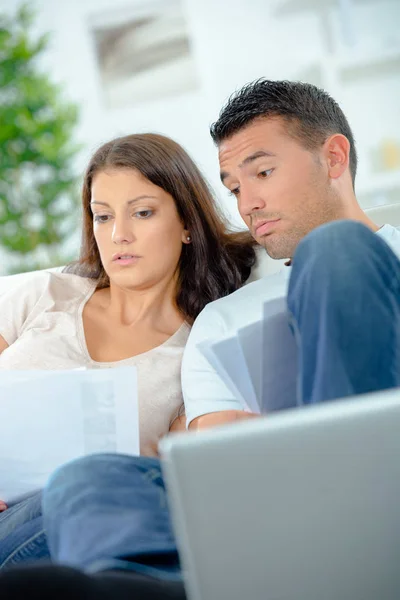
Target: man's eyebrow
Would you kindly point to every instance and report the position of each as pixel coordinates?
(252, 157)
(247, 160)
(223, 175)
(143, 197)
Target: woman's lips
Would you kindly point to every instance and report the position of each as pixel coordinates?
(125, 259)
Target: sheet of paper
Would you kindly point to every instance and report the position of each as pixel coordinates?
(50, 418)
(259, 362)
(251, 339)
(279, 356)
(226, 356)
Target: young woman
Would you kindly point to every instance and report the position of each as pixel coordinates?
(154, 252)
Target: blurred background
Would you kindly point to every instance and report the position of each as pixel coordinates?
(76, 73)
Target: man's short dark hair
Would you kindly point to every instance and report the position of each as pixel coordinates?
(311, 113)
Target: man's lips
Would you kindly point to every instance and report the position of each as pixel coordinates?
(264, 227)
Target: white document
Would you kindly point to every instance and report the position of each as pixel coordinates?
(227, 358)
(49, 418)
(250, 339)
(280, 360)
(259, 362)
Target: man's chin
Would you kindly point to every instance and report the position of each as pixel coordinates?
(274, 252)
(270, 249)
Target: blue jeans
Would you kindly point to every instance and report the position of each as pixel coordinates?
(21, 532)
(344, 297)
(110, 511)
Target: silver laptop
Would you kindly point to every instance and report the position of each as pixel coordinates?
(304, 505)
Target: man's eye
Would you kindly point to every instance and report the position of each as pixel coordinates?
(266, 173)
(234, 192)
(101, 218)
(143, 214)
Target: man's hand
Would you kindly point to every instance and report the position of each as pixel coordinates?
(3, 506)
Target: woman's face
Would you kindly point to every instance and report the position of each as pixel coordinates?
(137, 229)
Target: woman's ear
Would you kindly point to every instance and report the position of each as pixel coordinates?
(186, 237)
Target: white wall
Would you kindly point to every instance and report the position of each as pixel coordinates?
(233, 43)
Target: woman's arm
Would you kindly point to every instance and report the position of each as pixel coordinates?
(3, 344)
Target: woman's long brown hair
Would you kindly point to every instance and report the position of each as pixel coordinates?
(216, 263)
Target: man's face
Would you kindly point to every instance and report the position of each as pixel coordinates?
(283, 190)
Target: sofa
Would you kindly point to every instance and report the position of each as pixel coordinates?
(389, 213)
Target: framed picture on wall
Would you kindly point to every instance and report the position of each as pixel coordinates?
(143, 54)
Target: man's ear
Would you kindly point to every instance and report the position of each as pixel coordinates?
(336, 151)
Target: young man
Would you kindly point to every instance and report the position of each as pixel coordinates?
(287, 154)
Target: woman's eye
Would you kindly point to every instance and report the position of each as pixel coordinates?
(101, 218)
(143, 214)
(234, 192)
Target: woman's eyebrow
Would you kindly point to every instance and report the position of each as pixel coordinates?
(142, 197)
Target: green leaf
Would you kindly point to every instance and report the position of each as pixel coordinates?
(38, 188)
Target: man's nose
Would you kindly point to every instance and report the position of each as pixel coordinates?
(250, 201)
(122, 232)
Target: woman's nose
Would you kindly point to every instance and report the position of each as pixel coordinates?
(122, 233)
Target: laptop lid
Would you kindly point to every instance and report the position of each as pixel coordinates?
(301, 505)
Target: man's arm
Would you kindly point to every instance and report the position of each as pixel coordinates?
(208, 400)
(220, 418)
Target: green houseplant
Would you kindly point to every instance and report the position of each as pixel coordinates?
(38, 188)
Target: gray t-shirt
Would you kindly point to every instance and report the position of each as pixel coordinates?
(42, 323)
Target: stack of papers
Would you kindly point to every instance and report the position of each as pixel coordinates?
(49, 418)
(259, 362)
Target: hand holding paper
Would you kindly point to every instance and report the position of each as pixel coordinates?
(49, 418)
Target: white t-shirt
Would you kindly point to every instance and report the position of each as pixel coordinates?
(42, 323)
(203, 389)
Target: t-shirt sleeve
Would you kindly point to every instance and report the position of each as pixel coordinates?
(204, 391)
(18, 301)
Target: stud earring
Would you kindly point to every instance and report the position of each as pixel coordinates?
(188, 239)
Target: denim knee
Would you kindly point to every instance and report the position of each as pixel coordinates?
(94, 473)
(334, 242)
(90, 468)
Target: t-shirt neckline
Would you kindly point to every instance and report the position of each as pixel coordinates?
(130, 360)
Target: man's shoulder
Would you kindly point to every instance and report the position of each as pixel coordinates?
(389, 231)
(246, 304)
(391, 235)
